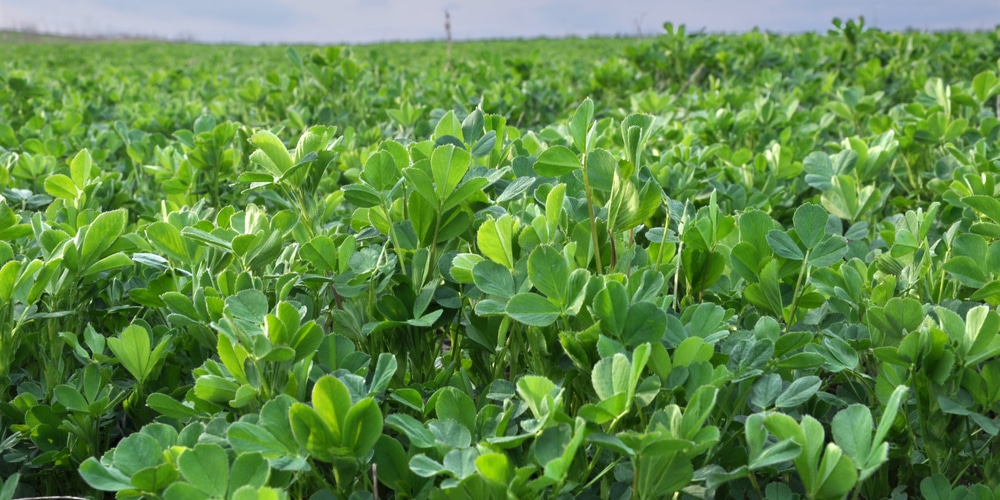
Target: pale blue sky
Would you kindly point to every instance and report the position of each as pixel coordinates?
(331, 21)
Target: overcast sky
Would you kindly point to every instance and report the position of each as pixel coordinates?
(358, 21)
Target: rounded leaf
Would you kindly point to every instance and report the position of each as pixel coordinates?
(362, 427)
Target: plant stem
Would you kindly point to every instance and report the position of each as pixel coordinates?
(593, 219)
(434, 242)
(795, 298)
(756, 487)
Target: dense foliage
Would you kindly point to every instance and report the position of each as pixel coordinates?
(698, 266)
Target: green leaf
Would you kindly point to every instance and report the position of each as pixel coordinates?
(496, 240)
(828, 252)
(798, 392)
(392, 462)
(558, 467)
(207, 238)
(754, 225)
(102, 478)
(985, 85)
(904, 314)
(639, 359)
(251, 438)
(554, 206)
(449, 125)
(271, 154)
(623, 204)
(8, 277)
(380, 171)
(448, 166)
(980, 341)
(215, 388)
(841, 199)
(889, 414)
(535, 390)
(802, 361)
(136, 452)
(852, 431)
(103, 232)
(249, 306)
(456, 405)
(966, 270)
(312, 434)
(113, 261)
(132, 348)
(580, 124)
(494, 467)
(765, 390)
(465, 191)
(782, 451)
(601, 170)
(154, 478)
(206, 467)
(167, 239)
(364, 196)
(462, 266)
(836, 475)
(936, 487)
(692, 350)
(249, 469)
(645, 322)
(415, 431)
(556, 162)
(810, 224)
(484, 146)
(697, 411)
(767, 293)
(422, 183)
(493, 279)
(362, 427)
(461, 462)
(636, 129)
(661, 475)
(423, 466)
(611, 307)
(70, 397)
(9, 486)
(185, 491)
(80, 167)
(987, 205)
(549, 272)
(385, 368)
(784, 427)
(532, 309)
(516, 189)
(332, 401)
(62, 187)
(784, 246)
(610, 376)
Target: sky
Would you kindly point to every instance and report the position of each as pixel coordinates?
(364, 21)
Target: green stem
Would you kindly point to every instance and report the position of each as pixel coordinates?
(798, 286)
(756, 488)
(600, 475)
(972, 444)
(677, 256)
(498, 361)
(663, 242)
(593, 219)
(393, 236)
(434, 243)
(455, 339)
